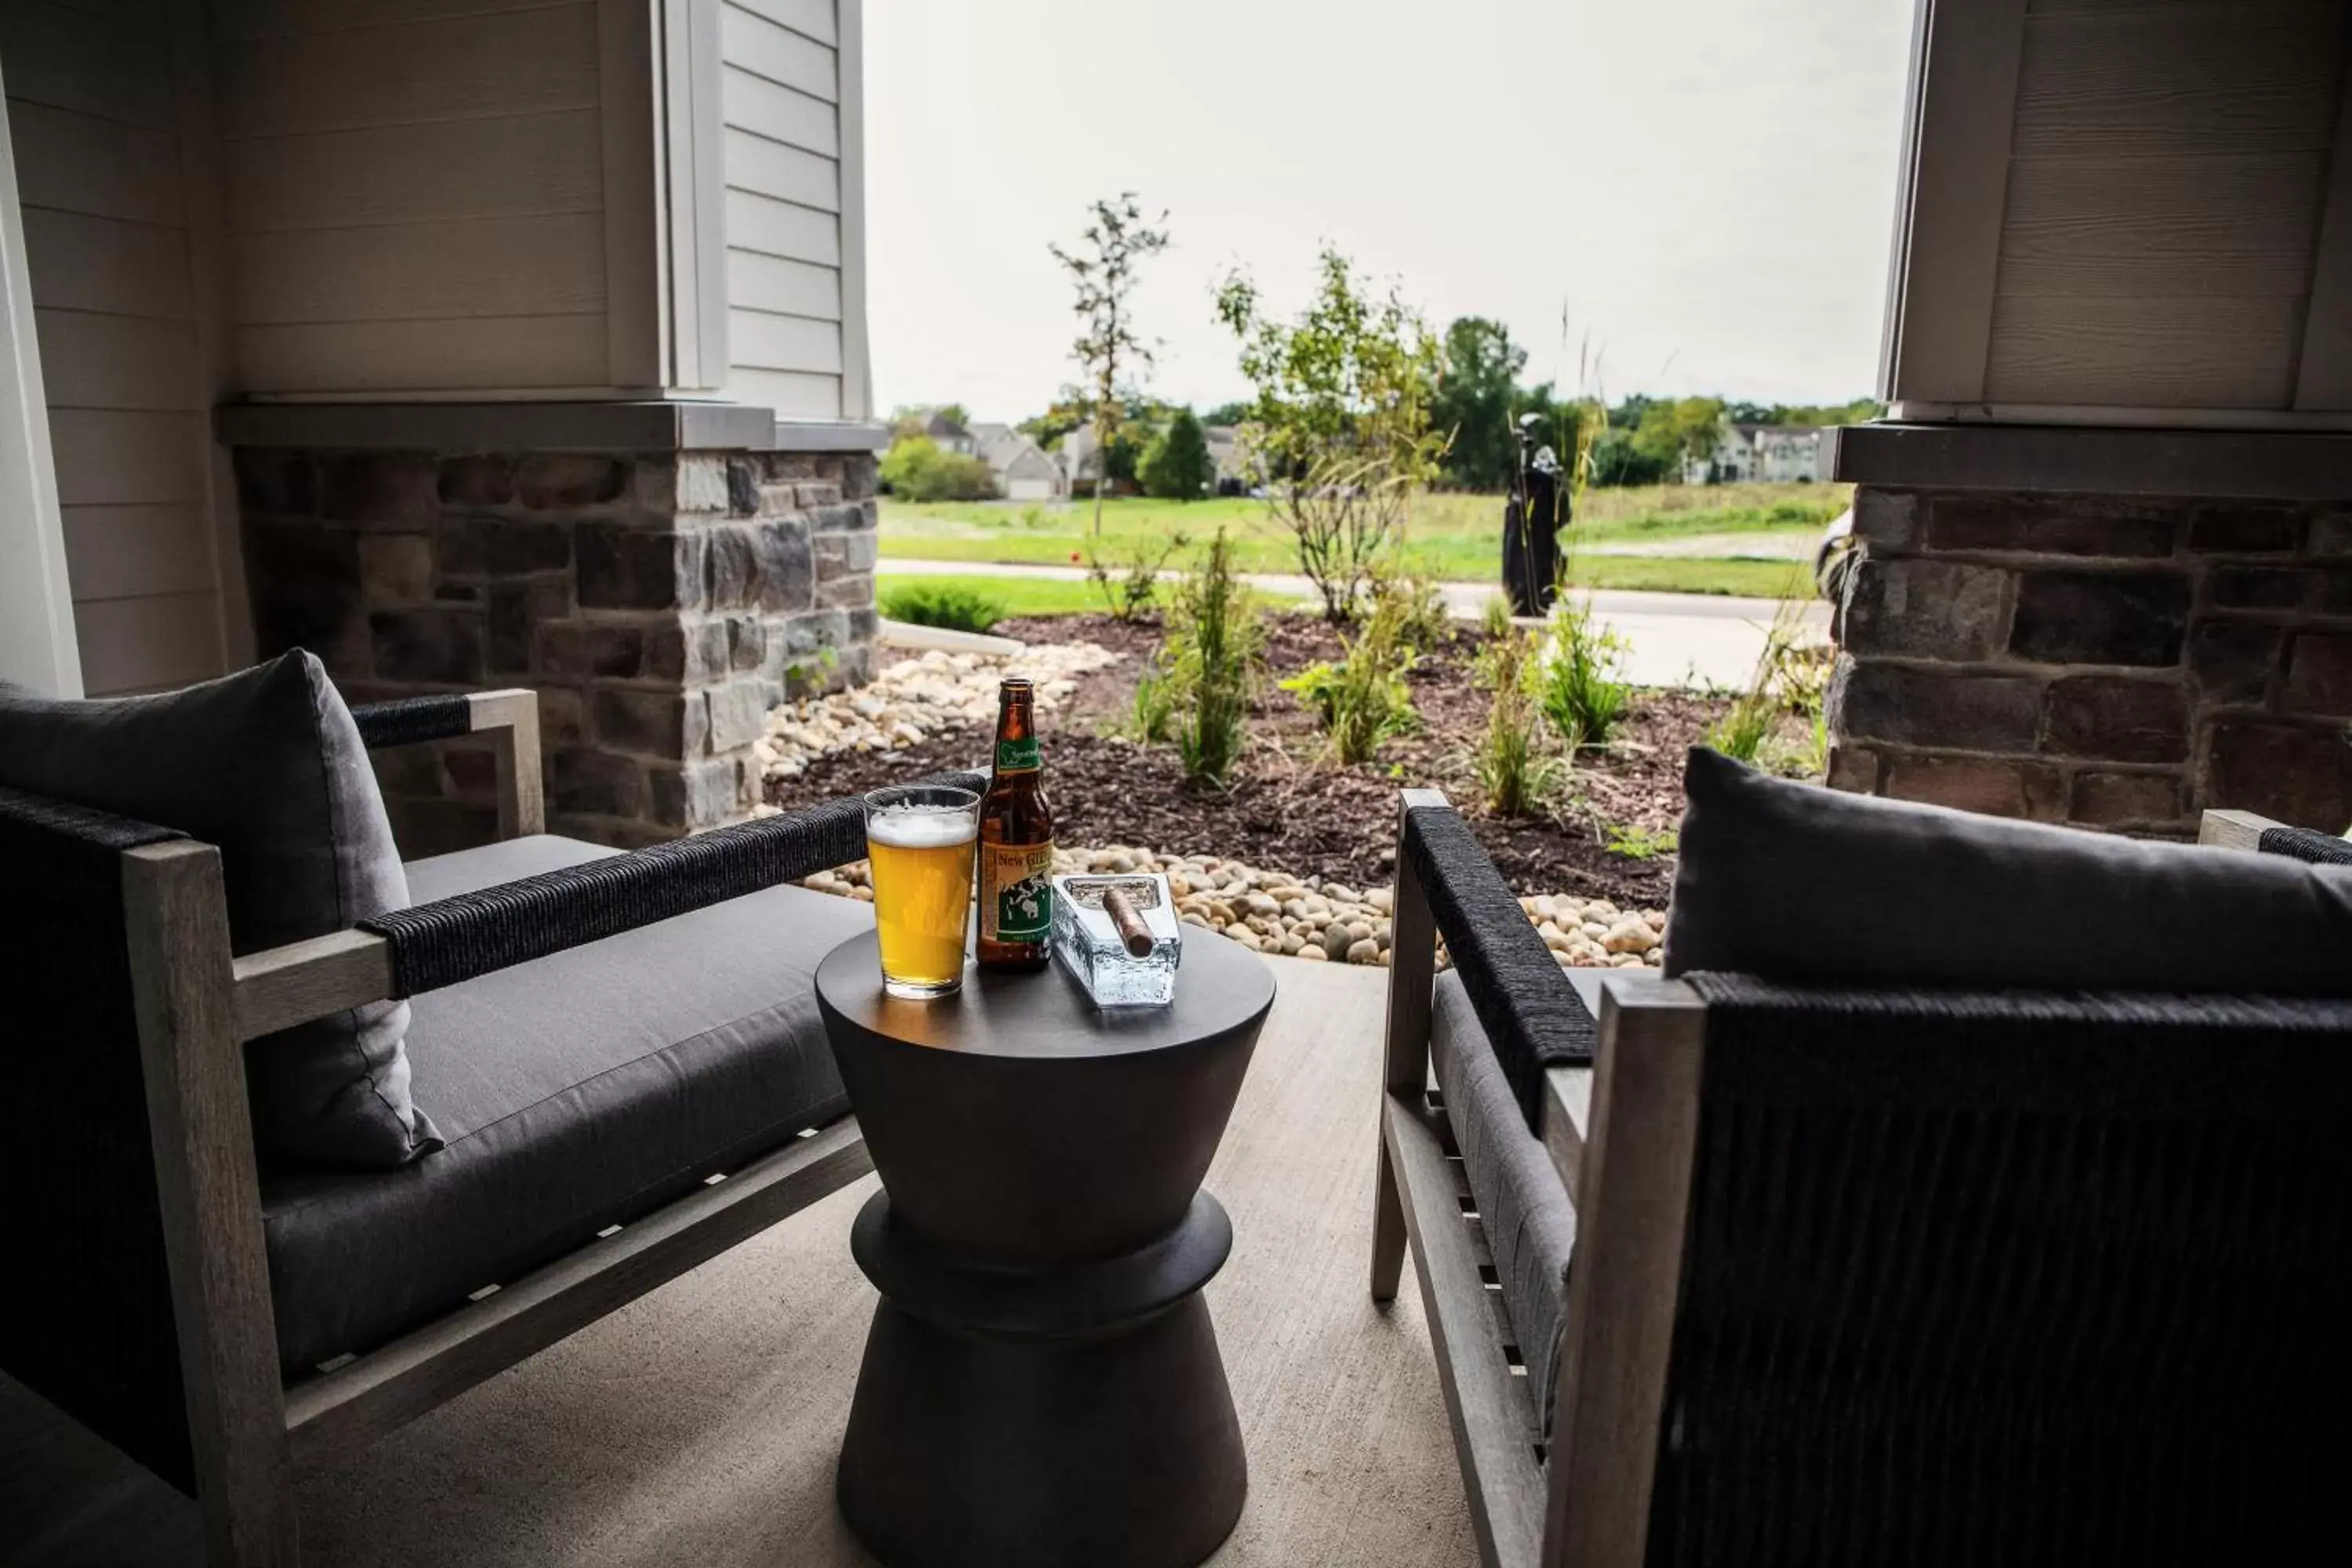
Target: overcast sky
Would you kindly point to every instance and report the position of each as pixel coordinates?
(1705, 187)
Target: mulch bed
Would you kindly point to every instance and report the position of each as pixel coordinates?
(1293, 808)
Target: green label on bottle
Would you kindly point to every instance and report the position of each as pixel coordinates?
(1018, 756)
(1016, 893)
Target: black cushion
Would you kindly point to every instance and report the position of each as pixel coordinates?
(576, 1091)
(268, 766)
(1800, 884)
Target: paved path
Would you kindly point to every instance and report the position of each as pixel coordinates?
(1676, 639)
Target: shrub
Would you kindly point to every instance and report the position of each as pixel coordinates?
(941, 604)
(1517, 771)
(1362, 699)
(1495, 617)
(1129, 586)
(917, 468)
(1792, 677)
(1176, 466)
(1578, 682)
(1214, 644)
(1155, 706)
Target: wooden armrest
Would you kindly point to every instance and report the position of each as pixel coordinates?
(2234, 829)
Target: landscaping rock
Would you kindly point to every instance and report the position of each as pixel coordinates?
(915, 699)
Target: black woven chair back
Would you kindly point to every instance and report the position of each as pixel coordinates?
(2013, 1279)
(86, 1312)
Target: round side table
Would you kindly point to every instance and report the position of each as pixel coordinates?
(1041, 1384)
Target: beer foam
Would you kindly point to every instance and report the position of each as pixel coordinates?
(920, 828)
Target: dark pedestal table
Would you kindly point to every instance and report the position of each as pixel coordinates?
(1041, 1384)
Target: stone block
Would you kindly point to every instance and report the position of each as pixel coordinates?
(304, 585)
(380, 487)
(550, 482)
(648, 723)
(840, 554)
(742, 487)
(859, 472)
(284, 483)
(2327, 589)
(864, 625)
(395, 568)
(738, 713)
(1969, 711)
(2103, 799)
(563, 716)
(1887, 519)
(850, 517)
(477, 480)
(509, 622)
(596, 784)
(2297, 774)
(436, 647)
(2051, 525)
(588, 650)
(689, 654)
(476, 545)
(2100, 617)
(808, 495)
(1928, 609)
(693, 483)
(2319, 674)
(730, 564)
(1853, 768)
(846, 593)
(1995, 787)
(695, 795)
(2242, 528)
(785, 570)
(2255, 587)
(473, 771)
(2331, 534)
(805, 634)
(624, 568)
(2231, 660)
(2118, 718)
(747, 643)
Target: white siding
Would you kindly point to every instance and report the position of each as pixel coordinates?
(94, 116)
(782, 97)
(413, 193)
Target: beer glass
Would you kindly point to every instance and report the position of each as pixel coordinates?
(918, 839)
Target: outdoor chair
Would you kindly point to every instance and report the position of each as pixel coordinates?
(1876, 1255)
(619, 1053)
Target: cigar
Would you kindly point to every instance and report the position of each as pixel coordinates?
(1131, 928)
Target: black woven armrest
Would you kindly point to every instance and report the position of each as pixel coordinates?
(407, 720)
(2303, 844)
(455, 939)
(1532, 1015)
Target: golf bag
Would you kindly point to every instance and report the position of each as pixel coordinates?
(1532, 518)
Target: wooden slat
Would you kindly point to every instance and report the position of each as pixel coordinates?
(75, 163)
(756, 282)
(1564, 1120)
(810, 19)
(134, 552)
(240, 19)
(495, 352)
(111, 457)
(283, 987)
(417, 173)
(70, 60)
(764, 342)
(783, 56)
(1484, 1402)
(2210, 353)
(635, 248)
(511, 720)
(754, 163)
(469, 68)
(93, 360)
(149, 644)
(370, 1396)
(2324, 371)
(2238, 225)
(1404, 1035)
(2182, 83)
(857, 355)
(756, 222)
(82, 263)
(793, 395)
(754, 103)
(2233, 830)
(533, 265)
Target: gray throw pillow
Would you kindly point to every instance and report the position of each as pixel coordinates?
(1798, 883)
(268, 766)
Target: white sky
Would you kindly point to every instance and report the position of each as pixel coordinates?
(1706, 186)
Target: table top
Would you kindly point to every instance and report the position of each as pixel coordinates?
(1221, 987)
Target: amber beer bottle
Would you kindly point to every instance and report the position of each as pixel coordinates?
(1016, 843)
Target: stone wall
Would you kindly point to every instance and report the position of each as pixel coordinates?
(659, 604)
(2115, 662)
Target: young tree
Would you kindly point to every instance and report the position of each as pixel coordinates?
(1103, 272)
(1176, 467)
(1475, 403)
(1340, 431)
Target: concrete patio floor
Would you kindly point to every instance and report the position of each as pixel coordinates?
(699, 1425)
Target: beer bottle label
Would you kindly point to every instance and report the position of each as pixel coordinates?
(1017, 892)
(1018, 756)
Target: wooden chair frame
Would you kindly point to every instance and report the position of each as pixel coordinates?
(1621, 1135)
(198, 1005)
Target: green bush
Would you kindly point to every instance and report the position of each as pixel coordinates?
(1155, 708)
(1517, 771)
(919, 470)
(1176, 466)
(1362, 699)
(941, 605)
(1216, 641)
(1128, 579)
(1578, 683)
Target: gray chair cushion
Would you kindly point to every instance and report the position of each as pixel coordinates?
(1805, 885)
(1530, 1226)
(268, 766)
(576, 1092)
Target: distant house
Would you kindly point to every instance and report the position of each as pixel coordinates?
(1230, 454)
(1762, 454)
(1077, 457)
(1023, 471)
(948, 435)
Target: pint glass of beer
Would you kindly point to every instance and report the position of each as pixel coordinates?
(919, 840)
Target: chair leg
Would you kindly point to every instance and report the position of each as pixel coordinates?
(1388, 1229)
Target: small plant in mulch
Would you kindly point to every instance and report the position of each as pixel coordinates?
(1129, 577)
(1517, 769)
(1362, 697)
(1791, 678)
(1210, 663)
(1579, 681)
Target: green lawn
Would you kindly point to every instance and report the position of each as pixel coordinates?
(1695, 574)
(1018, 596)
(1457, 537)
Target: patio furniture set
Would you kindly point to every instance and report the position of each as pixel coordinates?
(1969, 1188)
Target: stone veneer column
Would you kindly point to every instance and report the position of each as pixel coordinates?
(659, 603)
(2019, 642)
